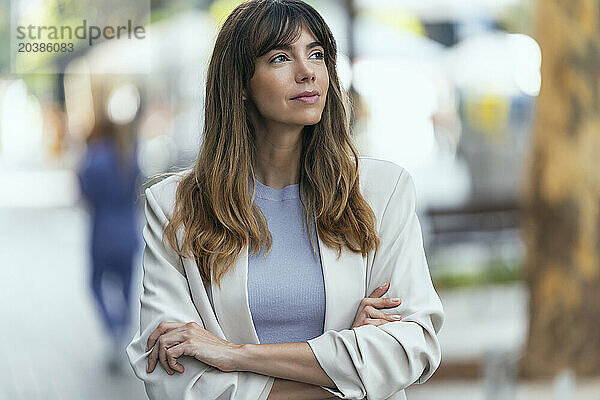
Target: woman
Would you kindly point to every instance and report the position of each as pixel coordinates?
(107, 175)
(271, 247)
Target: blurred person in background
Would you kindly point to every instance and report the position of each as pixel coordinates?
(241, 299)
(108, 176)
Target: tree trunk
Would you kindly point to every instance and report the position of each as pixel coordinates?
(562, 202)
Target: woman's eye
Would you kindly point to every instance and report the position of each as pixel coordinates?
(279, 58)
(319, 55)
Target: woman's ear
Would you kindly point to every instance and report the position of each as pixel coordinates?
(244, 95)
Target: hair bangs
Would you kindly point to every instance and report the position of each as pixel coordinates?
(281, 24)
(278, 27)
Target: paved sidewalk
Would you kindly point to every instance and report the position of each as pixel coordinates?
(52, 344)
(470, 390)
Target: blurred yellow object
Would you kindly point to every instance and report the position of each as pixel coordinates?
(396, 18)
(220, 9)
(489, 114)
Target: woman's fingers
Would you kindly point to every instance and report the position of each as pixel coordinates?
(162, 356)
(158, 353)
(373, 303)
(372, 312)
(381, 321)
(152, 357)
(393, 317)
(155, 357)
(380, 291)
(375, 313)
(375, 299)
(382, 302)
(173, 353)
(375, 321)
(161, 329)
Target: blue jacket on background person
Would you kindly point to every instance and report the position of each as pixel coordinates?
(111, 191)
(108, 181)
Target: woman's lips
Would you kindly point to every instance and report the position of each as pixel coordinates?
(308, 99)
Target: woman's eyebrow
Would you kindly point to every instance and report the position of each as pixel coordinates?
(287, 47)
(313, 44)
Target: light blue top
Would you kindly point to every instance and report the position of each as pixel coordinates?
(286, 291)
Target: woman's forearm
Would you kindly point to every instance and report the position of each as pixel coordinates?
(292, 361)
(292, 390)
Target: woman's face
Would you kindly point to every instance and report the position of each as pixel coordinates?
(282, 78)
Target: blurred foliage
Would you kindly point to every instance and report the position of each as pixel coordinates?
(220, 9)
(495, 272)
(4, 29)
(162, 14)
(520, 18)
(165, 9)
(41, 84)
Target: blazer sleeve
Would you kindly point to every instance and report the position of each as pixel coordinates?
(166, 297)
(378, 361)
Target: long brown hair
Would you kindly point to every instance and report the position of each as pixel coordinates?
(121, 137)
(213, 202)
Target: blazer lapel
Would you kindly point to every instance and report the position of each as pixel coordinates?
(344, 289)
(231, 303)
(344, 286)
(198, 291)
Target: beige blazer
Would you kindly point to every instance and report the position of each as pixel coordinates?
(368, 361)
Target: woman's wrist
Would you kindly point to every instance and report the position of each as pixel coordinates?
(245, 359)
(236, 355)
(240, 356)
(292, 361)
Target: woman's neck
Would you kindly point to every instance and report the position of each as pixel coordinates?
(277, 162)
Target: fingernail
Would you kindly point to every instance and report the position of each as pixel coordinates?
(395, 299)
(384, 285)
(396, 317)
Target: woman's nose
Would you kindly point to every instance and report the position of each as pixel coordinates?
(305, 72)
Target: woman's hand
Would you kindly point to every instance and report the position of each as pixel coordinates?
(368, 313)
(172, 340)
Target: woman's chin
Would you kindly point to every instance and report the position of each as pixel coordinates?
(303, 119)
(312, 120)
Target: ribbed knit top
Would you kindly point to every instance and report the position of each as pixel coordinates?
(286, 291)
